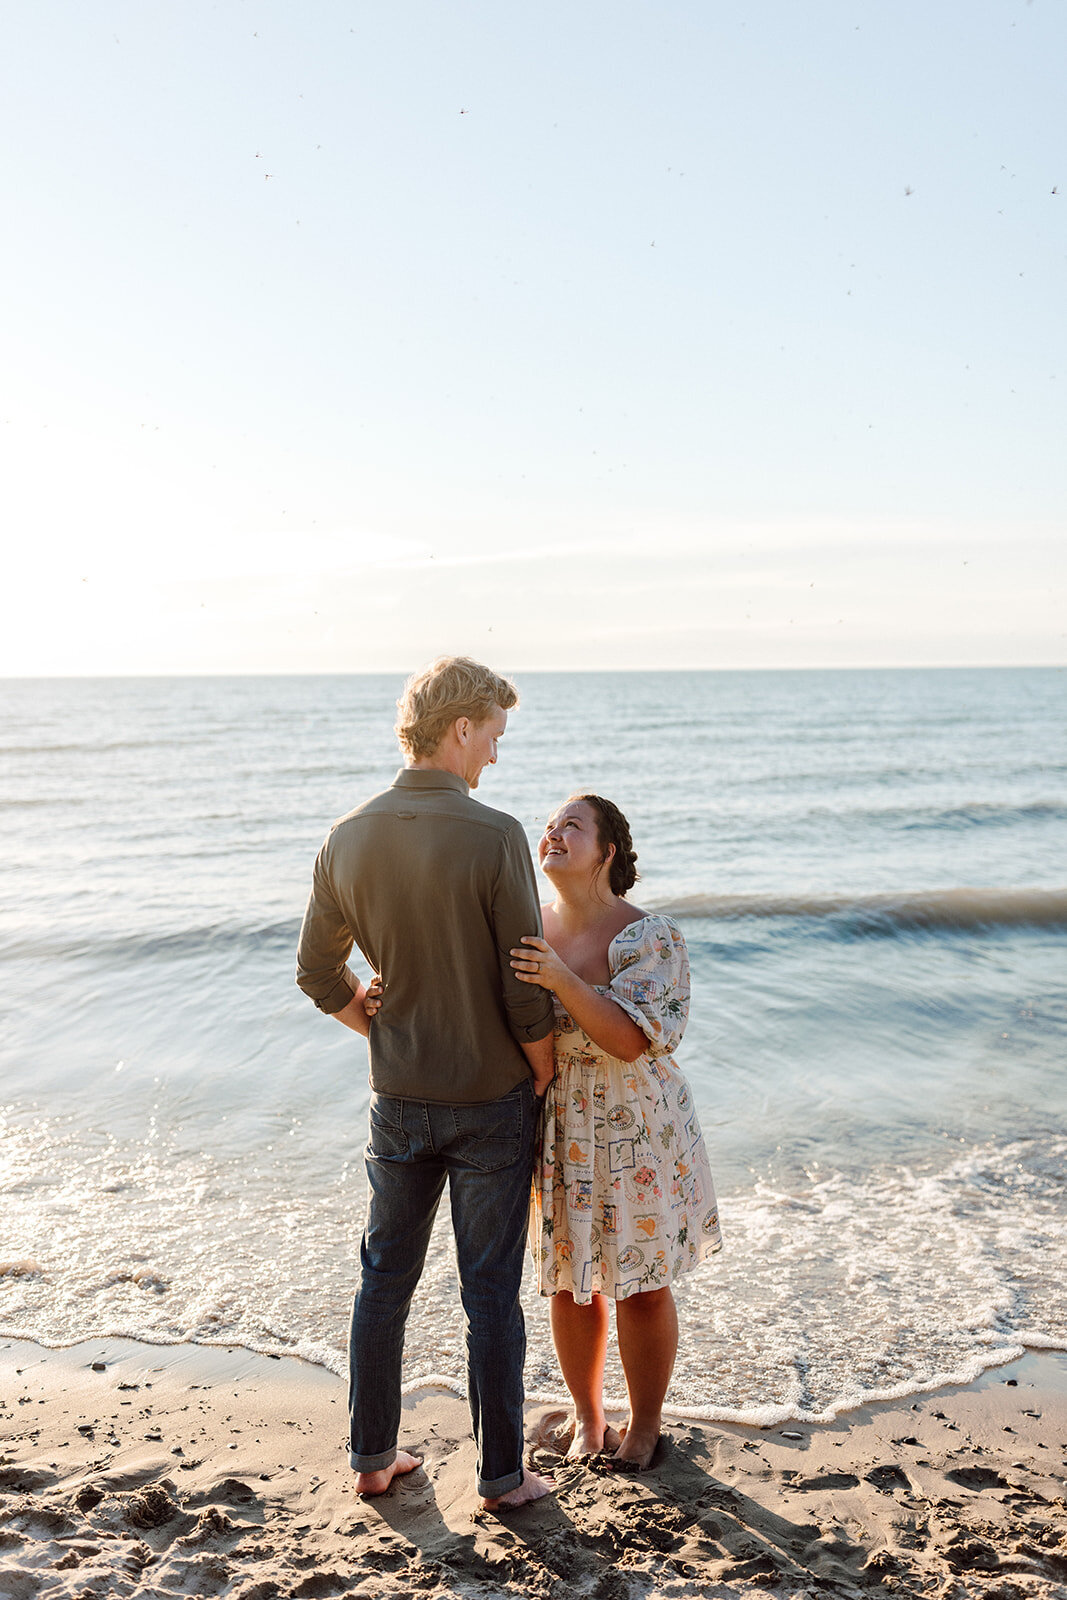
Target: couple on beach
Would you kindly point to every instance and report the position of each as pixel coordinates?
(509, 1045)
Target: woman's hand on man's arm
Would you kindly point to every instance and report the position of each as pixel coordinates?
(606, 1023)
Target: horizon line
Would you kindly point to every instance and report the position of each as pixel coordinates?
(391, 672)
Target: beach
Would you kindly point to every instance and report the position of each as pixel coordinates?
(866, 867)
(129, 1470)
(867, 870)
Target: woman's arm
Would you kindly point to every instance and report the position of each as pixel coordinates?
(596, 1014)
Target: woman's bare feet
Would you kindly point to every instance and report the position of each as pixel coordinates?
(577, 1441)
(533, 1487)
(592, 1439)
(586, 1439)
(636, 1449)
(370, 1483)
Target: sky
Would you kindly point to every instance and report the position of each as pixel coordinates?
(688, 335)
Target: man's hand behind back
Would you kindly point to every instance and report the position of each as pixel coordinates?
(540, 1056)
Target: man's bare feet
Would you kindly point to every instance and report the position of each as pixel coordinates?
(533, 1487)
(369, 1483)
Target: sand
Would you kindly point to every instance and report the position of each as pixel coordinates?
(136, 1470)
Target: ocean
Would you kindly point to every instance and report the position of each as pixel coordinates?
(869, 870)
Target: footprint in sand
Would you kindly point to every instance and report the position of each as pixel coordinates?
(977, 1478)
(827, 1480)
(887, 1478)
(228, 1489)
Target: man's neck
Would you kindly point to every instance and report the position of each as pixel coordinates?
(435, 763)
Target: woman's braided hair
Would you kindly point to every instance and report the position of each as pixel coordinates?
(613, 828)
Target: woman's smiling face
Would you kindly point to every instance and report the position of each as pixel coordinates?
(571, 842)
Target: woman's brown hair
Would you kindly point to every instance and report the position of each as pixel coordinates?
(613, 828)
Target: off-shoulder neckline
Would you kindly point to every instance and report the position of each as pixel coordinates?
(648, 917)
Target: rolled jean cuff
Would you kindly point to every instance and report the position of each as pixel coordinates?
(376, 1463)
(499, 1486)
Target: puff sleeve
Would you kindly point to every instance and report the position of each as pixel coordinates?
(649, 967)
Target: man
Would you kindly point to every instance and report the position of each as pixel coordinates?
(435, 889)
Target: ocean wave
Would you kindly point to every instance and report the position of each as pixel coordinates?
(917, 818)
(192, 941)
(95, 746)
(169, 946)
(836, 916)
(982, 814)
(37, 802)
(890, 912)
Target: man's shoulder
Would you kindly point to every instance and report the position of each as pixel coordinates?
(448, 804)
(376, 803)
(500, 821)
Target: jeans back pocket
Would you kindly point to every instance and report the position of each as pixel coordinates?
(388, 1140)
(493, 1135)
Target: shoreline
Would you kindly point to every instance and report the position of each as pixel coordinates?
(772, 1414)
(168, 1469)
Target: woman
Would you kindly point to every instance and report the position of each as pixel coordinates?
(623, 1198)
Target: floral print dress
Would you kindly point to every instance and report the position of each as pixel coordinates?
(623, 1197)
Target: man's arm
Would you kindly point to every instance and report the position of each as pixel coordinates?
(354, 1014)
(515, 906)
(325, 946)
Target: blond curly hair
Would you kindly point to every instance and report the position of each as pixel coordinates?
(450, 687)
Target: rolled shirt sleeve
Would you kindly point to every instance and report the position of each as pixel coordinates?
(326, 941)
(516, 912)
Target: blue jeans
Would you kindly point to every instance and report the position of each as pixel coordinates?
(486, 1152)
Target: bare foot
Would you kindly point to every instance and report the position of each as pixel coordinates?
(533, 1487)
(636, 1449)
(587, 1439)
(370, 1483)
(592, 1439)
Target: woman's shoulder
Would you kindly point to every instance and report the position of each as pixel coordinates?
(649, 930)
(645, 923)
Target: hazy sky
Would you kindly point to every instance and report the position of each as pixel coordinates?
(645, 334)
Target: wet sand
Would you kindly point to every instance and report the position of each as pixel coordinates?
(137, 1470)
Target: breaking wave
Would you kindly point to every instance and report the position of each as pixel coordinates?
(967, 909)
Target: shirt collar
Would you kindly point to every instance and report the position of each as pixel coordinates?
(428, 778)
